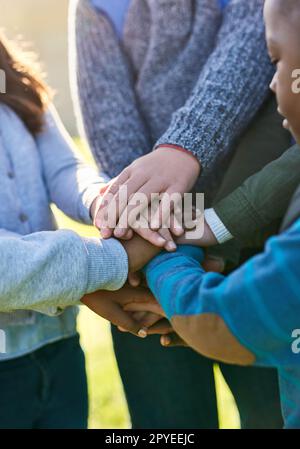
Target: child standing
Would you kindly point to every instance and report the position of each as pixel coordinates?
(45, 272)
(252, 316)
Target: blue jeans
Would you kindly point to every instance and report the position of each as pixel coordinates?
(46, 389)
(174, 388)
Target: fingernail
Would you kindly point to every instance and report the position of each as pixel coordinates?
(171, 246)
(119, 232)
(105, 232)
(166, 341)
(155, 225)
(161, 241)
(143, 333)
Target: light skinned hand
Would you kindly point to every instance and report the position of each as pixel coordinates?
(164, 171)
(163, 238)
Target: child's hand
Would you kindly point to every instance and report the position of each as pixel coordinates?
(190, 237)
(110, 305)
(164, 170)
(139, 253)
(172, 340)
(140, 305)
(163, 238)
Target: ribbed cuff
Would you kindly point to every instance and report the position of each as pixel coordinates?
(107, 264)
(217, 226)
(177, 148)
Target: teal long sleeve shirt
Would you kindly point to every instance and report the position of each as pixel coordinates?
(259, 305)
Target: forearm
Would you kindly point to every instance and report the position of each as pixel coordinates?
(53, 270)
(232, 86)
(139, 252)
(263, 198)
(253, 309)
(71, 183)
(103, 91)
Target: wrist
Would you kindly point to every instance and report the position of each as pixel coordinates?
(139, 253)
(170, 146)
(216, 226)
(107, 264)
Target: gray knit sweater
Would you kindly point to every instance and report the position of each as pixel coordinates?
(185, 73)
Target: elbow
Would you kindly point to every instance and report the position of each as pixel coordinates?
(209, 335)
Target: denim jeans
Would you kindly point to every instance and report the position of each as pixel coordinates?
(46, 389)
(174, 388)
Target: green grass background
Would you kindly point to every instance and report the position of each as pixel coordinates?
(107, 403)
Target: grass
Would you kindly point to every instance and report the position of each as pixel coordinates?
(107, 403)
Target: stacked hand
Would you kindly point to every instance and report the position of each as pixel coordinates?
(165, 172)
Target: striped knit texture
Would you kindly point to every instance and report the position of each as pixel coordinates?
(185, 73)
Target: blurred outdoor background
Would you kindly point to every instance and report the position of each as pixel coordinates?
(43, 25)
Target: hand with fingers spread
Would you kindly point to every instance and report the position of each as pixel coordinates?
(165, 172)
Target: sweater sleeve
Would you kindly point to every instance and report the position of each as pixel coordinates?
(53, 270)
(102, 87)
(231, 88)
(262, 198)
(72, 184)
(253, 311)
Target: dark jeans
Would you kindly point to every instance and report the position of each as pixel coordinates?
(46, 389)
(175, 388)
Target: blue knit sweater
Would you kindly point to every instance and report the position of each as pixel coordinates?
(190, 76)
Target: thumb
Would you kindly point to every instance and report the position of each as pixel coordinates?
(125, 321)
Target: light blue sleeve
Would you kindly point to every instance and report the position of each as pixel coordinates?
(49, 271)
(72, 184)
